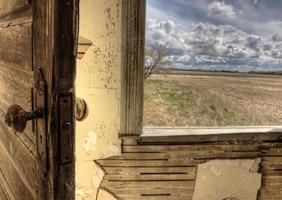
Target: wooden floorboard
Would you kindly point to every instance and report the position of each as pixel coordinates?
(168, 171)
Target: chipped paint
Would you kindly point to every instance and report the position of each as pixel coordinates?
(90, 142)
(101, 24)
(98, 83)
(89, 176)
(213, 180)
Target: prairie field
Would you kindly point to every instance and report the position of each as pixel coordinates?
(213, 99)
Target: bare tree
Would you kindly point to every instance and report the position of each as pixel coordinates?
(154, 58)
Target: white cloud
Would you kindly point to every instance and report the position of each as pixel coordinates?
(220, 9)
(206, 43)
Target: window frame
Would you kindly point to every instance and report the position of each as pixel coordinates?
(132, 86)
(132, 81)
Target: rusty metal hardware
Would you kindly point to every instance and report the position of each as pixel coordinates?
(66, 127)
(16, 118)
(40, 103)
(80, 109)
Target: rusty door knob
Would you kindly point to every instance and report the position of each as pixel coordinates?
(80, 109)
(16, 118)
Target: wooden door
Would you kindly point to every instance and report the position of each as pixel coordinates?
(37, 62)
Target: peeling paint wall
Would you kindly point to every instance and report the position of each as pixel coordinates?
(98, 83)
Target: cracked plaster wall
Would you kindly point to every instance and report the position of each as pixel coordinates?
(98, 83)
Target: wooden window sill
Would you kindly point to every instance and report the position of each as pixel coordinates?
(210, 134)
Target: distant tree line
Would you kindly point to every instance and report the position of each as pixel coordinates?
(267, 72)
(156, 57)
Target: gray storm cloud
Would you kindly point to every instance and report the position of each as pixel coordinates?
(220, 9)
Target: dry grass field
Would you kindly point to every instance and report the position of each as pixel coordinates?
(213, 99)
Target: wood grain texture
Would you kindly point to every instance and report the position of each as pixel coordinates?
(4, 190)
(15, 88)
(17, 151)
(3, 193)
(15, 46)
(34, 36)
(17, 181)
(133, 32)
(43, 36)
(66, 23)
(54, 50)
(9, 6)
(20, 154)
(16, 40)
(18, 83)
(167, 170)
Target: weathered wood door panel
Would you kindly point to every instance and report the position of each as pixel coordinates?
(17, 150)
(2, 193)
(16, 37)
(30, 39)
(7, 7)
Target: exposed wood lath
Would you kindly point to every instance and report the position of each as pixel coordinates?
(167, 171)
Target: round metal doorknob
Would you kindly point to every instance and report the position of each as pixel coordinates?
(16, 118)
(80, 109)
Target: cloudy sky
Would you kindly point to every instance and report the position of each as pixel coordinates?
(239, 35)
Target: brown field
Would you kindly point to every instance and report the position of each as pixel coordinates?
(213, 99)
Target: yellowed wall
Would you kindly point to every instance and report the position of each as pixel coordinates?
(98, 83)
